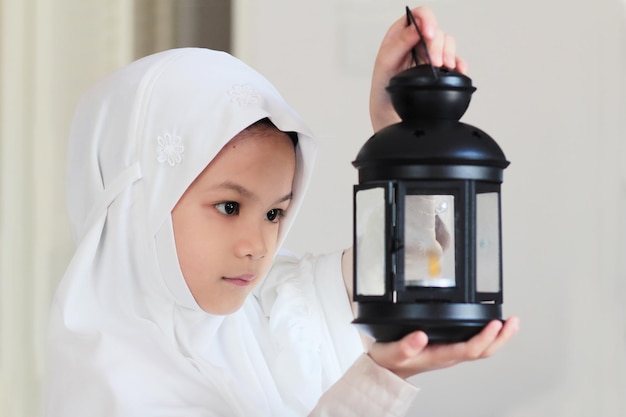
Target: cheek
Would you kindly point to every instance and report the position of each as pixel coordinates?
(266, 265)
(272, 241)
(193, 240)
(272, 247)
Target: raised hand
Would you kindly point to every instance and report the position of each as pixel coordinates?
(395, 56)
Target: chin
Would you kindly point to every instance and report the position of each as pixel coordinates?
(222, 310)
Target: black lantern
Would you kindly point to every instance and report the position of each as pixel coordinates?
(427, 224)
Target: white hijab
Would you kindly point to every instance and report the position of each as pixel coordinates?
(126, 336)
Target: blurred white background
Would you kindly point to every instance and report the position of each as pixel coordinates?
(551, 91)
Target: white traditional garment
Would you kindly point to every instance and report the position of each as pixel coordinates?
(126, 336)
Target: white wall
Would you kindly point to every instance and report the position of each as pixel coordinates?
(50, 52)
(550, 78)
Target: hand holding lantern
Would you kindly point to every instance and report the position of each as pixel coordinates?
(413, 354)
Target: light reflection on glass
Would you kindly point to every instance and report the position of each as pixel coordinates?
(370, 241)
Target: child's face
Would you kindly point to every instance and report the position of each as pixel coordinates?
(226, 223)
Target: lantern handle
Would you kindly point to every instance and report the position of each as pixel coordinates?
(410, 19)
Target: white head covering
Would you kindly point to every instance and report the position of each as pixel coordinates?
(126, 336)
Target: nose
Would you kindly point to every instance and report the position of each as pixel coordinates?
(251, 245)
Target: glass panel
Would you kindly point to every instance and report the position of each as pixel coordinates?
(429, 241)
(370, 241)
(487, 243)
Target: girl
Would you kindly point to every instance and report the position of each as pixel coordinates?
(186, 169)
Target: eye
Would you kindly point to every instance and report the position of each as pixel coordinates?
(274, 215)
(229, 208)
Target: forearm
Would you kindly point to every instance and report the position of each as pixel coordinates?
(347, 270)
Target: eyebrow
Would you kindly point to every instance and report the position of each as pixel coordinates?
(249, 194)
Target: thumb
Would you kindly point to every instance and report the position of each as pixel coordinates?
(392, 355)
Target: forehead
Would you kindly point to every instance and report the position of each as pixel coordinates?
(257, 144)
(255, 156)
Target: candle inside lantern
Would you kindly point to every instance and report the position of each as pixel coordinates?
(434, 264)
(427, 261)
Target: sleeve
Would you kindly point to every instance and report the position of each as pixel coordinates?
(310, 314)
(366, 390)
(336, 309)
(355, 384)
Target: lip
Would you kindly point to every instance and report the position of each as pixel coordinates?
(241, 280)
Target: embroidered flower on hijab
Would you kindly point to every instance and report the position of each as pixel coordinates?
(170, 149)
(243, 95)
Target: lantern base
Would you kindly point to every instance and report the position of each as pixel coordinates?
(442, 322)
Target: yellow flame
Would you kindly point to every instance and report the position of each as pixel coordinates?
(434, 264)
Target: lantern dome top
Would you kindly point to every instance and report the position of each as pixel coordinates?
(425, 92)
(430, 142)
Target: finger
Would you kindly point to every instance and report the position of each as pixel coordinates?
(401, 24)
(404, 43)
(401, 38)
(426, 20)
(435, 48)
(449, 52)
(511, 327)
(477, 345)
(395, 51)
(461, 65)
(391, 355)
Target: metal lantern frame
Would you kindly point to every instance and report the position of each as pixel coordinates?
(447, 314)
